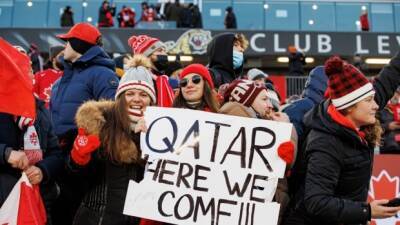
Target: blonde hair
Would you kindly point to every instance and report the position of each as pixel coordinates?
(242, 40)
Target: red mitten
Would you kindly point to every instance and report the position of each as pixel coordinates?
(286, 151)
(144, 221)
(84, 145)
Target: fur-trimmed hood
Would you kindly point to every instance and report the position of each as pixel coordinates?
(90, 115)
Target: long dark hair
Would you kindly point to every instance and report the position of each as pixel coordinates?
(209, 99)
(116, 134)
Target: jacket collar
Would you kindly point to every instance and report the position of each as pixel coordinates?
(343, 121)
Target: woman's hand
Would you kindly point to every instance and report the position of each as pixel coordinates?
(379, 211)
(141, 126)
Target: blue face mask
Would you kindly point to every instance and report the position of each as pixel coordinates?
(237, 59)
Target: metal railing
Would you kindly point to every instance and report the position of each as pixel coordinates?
(295, 85)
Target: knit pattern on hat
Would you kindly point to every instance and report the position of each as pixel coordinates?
(243, 91)
(200, 70)
(347, 85)
(144, 44)
(137, 78)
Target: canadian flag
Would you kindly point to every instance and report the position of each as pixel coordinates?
(24, 205)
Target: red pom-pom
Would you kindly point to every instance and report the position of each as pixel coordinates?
(286, 151)
(333, 65)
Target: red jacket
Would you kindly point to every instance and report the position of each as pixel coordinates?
(148, 15)
(126, 18)
(364, 22)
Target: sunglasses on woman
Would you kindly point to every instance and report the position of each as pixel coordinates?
(196, 79)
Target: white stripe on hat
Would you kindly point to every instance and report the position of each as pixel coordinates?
(354, 96)
(137, 84)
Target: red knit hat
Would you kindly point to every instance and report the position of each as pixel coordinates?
(243, 91)
(200, 70)
(346, 84)
(82, 31)
(144, 44)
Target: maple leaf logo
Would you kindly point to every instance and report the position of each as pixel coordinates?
(384, 187)
(33, 138)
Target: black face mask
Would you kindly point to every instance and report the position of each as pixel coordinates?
(161, 63)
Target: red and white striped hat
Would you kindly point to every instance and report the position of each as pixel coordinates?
(137, 78)
(144, 44)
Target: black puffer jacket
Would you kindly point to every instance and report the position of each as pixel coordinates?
(103, 203)
(220, 59)
(338, 165)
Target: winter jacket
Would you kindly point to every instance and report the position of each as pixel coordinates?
(67, 19)
(106, 16)
(12, 136)
(390, 145)
(313, 94)
(296, 63)
(104, 201)
(173, 11)
(197, 21)
(364, 22)
(126, 18)
(220, 59)
(337, 164)
(92, 76)
(230, 21)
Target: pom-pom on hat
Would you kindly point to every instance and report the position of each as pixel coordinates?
(144, 44)
(137, 78)
(200, 70)
(243, 91)
(347, 85)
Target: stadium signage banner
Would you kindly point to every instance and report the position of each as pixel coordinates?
(208, 168)
(194, 41)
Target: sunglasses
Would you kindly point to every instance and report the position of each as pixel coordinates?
(196, 79)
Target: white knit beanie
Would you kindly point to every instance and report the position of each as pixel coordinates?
(137, 78)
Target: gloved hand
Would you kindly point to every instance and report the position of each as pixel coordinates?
(84, 145)
(286, 151)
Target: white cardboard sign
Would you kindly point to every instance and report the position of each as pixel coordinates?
(207, 168)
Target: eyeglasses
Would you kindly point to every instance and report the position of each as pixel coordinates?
(196, 79)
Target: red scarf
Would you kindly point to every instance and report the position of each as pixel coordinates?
(343, 121)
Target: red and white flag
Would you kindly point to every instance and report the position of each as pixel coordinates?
(24, 205)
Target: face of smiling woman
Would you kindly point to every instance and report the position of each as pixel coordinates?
(137, 101)
(192, 91)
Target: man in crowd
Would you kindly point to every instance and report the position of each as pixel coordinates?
(88, 74)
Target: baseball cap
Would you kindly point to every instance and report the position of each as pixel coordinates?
(82, 31)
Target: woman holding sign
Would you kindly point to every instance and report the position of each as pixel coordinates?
(196, 90)
(107, 148)
(248, 99)
(339, 153)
